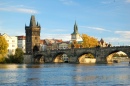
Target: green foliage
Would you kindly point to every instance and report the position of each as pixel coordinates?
(3, 48)
(17, 58)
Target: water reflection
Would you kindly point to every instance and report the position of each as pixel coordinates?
(65, 74)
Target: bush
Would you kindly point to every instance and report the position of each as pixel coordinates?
(16, 58)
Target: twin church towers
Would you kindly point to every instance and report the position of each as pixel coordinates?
(33, 35)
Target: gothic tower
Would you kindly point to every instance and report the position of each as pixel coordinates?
(75, 35)
(32, 36)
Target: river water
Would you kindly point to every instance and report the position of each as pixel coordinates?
(64, 74)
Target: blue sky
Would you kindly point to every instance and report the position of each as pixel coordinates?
(107, 19)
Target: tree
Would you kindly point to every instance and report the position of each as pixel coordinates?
(18, 55)
(89, 41)
(16, 58)
(75, 44)
(3, 48)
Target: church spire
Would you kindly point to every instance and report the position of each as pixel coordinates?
(32, 21)
(75, 28)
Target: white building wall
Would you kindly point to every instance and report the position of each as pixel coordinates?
(76, 37)
(12, 43)
(21, 44)
(43, 47)
(63, 46)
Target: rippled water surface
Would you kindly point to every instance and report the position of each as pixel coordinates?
(65, 75)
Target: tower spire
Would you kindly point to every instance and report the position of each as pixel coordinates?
(32, 21)
(75, 28)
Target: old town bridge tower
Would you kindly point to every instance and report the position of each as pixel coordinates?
(32, 36)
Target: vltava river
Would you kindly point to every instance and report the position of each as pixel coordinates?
(64, 74)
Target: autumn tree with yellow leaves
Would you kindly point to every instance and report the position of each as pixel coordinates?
(75, 44)
(89, 41)
(3, 48)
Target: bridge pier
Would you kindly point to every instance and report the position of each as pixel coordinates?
(101, 60)
(73, 59)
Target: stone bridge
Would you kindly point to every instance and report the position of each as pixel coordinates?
(101, 54)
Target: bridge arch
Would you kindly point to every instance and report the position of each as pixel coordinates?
(39, 58)
(109, 55)
(60, 57)
(86, 57)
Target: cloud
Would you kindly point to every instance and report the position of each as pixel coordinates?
(95, 28)
(125, 34)
(68, 2)
(127, 1)
(10, 32)
(19, 9)
(122, 39)
(106, 2)
(64, 37)
(117, 41)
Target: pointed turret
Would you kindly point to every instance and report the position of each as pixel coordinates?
(37, 24)
(32, 21)
(102, 41)
(25, 24)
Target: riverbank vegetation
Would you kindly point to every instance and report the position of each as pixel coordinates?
(16, 58)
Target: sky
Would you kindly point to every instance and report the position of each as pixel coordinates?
(107, 19)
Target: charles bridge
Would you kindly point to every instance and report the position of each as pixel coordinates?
(101, 54)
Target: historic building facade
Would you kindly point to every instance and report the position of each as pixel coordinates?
(12, 43)
(21, 42)
(32, 36)
(102, 43)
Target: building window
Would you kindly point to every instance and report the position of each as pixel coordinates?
(13, 45)
(13, 40)
(12, 50)
(7, 40)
